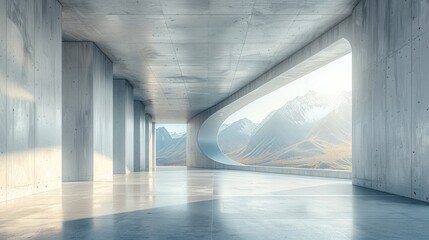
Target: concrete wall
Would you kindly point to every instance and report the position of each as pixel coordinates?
(202, 148)
(139, 136)
(87, 113)
(30, 97)
(390, 100)
(123, 127)
(390, 41)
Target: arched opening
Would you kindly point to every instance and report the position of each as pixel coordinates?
(304, 124)
(295, 67)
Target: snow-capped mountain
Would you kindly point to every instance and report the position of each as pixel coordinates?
(177, 134)
(170, 148)
(163, 138)
(308, 108)
(236, 135)
(288, 125)
(307, 129)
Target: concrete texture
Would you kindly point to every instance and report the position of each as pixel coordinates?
(148, 140)
(152, 163)
(21, 126)
(390, 103)
(3, 100)
(87, 113)
(176, 203)
(390, 107)
(196, 53)
(103, 115)
(123, 127)
(30, 97)
(150, 147)
(202, 148)
(139, 136)
(47, 92)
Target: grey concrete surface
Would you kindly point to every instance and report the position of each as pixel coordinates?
(139, 136)
(3, 100)
(184, 56)
(30, 97)
(390, 103)
(202, 148)
(152, 163)
(150, 147)
(103, 115)
(47, 95)
(389, 41)
(21, 126)
(87, 113)
(123, 127)
(176, 203)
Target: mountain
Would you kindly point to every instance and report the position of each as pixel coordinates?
(328, 145)
(177, 134)
(170, 150)
(163, 138)
(287, 125)
(236, 135)
(310, 131)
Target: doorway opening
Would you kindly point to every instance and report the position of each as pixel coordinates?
(171, 144)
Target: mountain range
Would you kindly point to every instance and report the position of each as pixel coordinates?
(170, 148)
(310, 131)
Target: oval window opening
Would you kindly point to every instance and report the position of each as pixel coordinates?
(305, 124)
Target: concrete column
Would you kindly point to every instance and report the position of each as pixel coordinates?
(87, 113)
(3, 100)
(148, 142)
(30, 97)
(153, 157)
(123, 127)
(139, 136)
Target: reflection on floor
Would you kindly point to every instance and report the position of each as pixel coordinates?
(176, 203)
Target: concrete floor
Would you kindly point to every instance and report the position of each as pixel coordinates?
(176, 203)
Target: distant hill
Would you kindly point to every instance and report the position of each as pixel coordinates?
(170, 150)
(310, 131)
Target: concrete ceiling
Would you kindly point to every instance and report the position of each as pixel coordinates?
(184, 56)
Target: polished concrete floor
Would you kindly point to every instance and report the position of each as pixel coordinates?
(176, 203)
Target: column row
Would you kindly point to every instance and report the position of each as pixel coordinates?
(105, 131)
(62, 116)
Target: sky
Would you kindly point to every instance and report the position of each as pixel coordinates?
(173, 127)
(332, 78)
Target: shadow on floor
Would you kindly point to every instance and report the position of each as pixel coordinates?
(336, 211)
